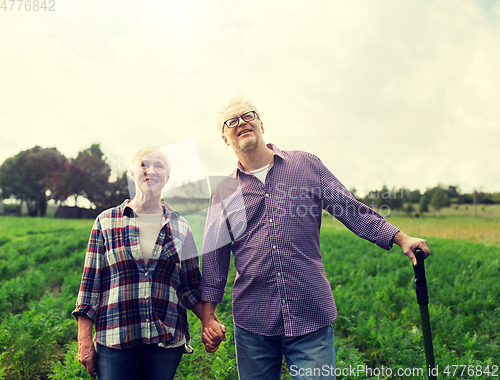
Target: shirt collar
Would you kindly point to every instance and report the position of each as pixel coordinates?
(276, 152)
(168, 212)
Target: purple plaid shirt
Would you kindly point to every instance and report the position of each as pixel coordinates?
(132, 301)
(281, 287)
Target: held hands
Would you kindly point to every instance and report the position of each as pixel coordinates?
(213, 333)
(409, 244)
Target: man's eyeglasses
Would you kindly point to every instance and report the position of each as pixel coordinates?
(235, 121)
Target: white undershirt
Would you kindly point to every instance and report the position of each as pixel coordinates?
(260, 173)
(149, 229)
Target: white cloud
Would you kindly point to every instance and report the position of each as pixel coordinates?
(386, 92)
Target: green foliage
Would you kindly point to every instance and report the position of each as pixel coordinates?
(409, 209)
(94, 174)
(26, 176)
(378, 320)
(86, 175)
(28, 340)
(439, 200)
(378, 313)
(40, 268)
(38, 264)
(386, 199)
(424, 202)
(221, 365)
(33, 173)
(71, 369)
(116, 192)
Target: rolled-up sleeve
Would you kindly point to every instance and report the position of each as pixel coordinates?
(89, 295)
(190, 272)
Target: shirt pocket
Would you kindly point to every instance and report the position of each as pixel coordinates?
(170, 250)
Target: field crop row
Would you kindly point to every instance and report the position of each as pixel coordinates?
(378, 313)
(39, 264)
(378, 325)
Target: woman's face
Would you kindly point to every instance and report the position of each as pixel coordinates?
(150, 174)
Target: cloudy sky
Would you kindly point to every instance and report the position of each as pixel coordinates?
(402, 93)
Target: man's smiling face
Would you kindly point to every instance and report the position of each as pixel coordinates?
(247, 135)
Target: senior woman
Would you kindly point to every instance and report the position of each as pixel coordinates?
(141, 274)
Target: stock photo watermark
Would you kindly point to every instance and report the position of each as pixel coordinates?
(28, 6)
(304, 201)
(365, 371)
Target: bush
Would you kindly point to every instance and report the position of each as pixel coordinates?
(28, 340)
(71, 369)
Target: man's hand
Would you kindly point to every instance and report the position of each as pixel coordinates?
(213, 333)
(409, 244)
(86, 349)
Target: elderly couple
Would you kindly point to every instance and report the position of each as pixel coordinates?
(142, 273)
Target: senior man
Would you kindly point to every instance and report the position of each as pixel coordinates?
(268, 213)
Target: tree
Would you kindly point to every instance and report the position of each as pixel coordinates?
(116, 192)
(27, 176)
(95, 172)
(426, 198)
(439, 199)
(86, 175)
(423, 204)
(409, 209)
(398, 198)
(64, 183)
(414, 196)
(453, 192)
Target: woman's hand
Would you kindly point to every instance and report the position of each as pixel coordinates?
(86, 349)
(86, 355)
(213, 334)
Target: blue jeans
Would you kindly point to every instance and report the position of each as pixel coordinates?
(308, 357)
(143, 362)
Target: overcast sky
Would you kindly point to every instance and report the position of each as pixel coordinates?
(402, 93)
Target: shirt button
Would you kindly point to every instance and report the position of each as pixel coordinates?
(267, 195)
(147, 320)
(274, 247)
(279, 274)
(270, 220)
(146, 274)
(283, 301)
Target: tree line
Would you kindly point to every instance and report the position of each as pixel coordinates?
(37, 175)
(437, 197)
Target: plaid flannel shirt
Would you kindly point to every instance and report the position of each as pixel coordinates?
(132, 301)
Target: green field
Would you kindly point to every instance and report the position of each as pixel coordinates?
(378, 325)
(471, 229)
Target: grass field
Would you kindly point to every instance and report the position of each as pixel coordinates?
(464, 210)
(378, 325)
(471, 229)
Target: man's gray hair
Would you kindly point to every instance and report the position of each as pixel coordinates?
(238, 99)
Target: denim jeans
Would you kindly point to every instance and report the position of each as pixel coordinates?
(308, 357)
(143, 362)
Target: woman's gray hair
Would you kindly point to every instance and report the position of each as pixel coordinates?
(238, 99)
(145, 150)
